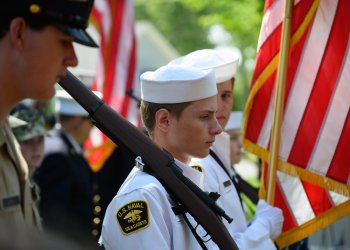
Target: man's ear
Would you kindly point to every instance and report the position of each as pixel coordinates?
(162, 119)
(17, 32)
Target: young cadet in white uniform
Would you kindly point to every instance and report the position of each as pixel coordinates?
(268, 220)
(234, 129)
(178, 109)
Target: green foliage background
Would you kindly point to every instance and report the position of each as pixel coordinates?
(186, 24)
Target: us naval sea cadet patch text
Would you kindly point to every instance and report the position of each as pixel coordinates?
(133, 217)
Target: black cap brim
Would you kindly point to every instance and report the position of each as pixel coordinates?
(78, 35)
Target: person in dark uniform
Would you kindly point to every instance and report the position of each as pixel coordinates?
(30, 136)
(67, 184)
(112, 175)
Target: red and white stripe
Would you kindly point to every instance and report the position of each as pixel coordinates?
(117, 60)
(116, 68)
(316, 123)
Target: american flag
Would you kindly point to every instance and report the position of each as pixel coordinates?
(116, 68)
(313, 177)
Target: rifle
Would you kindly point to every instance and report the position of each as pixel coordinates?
(198, 203)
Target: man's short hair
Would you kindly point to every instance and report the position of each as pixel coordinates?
(148, 111)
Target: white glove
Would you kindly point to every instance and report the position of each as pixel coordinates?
(270, 217)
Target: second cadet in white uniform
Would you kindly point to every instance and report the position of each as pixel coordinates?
(268, 220)
(178, 109)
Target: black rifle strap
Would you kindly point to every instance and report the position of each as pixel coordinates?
(240, 184)
(217, 159)
(250, 191)
(180, 209)
(193, 230)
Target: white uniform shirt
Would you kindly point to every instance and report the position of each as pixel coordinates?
(140, 216)
(217, 180)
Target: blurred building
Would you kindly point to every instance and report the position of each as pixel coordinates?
(153, 51)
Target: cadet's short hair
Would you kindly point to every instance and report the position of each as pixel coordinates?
(148, 111)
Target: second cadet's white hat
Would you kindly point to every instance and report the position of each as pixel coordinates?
(177, 84)
(224, 63)
(66, 105)
(235, 121)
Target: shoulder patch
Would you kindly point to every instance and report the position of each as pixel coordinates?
(133, 217)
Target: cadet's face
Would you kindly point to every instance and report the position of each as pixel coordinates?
(46, 54)
(81, 129)
(194, 132)
(235, 145)
(33, 152)
(225, 100)
(85, 129)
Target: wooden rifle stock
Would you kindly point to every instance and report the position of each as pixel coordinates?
(199, 204)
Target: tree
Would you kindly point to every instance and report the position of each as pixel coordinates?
(189, 25)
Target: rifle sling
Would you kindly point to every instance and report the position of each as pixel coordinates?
(180, 209)
(241, 185)
(193, 230)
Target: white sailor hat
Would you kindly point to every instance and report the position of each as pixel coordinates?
(66, 105)
(235, 121)
(224, 63)
(177, 84)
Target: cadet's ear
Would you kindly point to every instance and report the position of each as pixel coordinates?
(162, 119)
(17, 30)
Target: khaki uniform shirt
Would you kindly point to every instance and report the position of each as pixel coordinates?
(16, 203)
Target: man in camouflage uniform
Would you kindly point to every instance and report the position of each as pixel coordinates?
(31, 135)
(36, 47)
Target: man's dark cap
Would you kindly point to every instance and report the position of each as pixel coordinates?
(69, 16)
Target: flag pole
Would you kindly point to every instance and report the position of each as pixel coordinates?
(279, 102)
